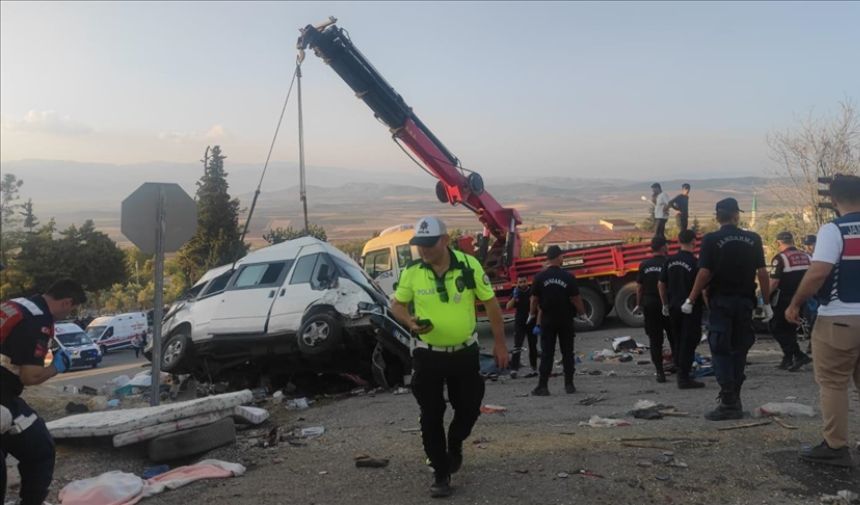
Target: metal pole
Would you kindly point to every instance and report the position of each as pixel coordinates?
(155, 395)
(303, 195)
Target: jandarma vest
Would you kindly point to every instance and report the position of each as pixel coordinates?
(843, 284)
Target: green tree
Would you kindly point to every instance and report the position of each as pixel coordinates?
(30, 219)
(278, 235)
(83, 254)
(9, 189)
(217, 240)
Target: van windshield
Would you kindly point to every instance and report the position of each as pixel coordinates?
(94, 332)
(75, 339)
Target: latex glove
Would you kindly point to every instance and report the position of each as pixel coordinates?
(768, 313)
(530, 320)
(637, 310)
(687, 308)
(583, 318)
(62, 361)
(536, 330)
(666, 310)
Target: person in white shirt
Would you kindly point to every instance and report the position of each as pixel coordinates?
(834, 278)
(661, 209)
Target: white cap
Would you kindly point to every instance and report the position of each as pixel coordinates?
(428, 229)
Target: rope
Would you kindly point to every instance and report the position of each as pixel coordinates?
(269, 156)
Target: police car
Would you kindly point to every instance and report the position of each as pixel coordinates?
(80, 347)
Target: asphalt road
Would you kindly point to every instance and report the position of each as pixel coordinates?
(114, 364)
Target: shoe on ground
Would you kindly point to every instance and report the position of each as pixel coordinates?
(786, 362)
(514, 374)
(441, 487)
(569, 389)
(799, 362)
(531, 373)
(690, 384)
(729, 408)
(455, 459)
(661, 377)
(825, 455)
(540, 391)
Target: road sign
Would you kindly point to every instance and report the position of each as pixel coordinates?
(158, 217)
(140, 212)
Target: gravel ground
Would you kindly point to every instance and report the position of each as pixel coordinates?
(533, 453)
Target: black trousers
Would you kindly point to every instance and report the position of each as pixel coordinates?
(681, 220)
(656, 325)
(562, 331)
(660, 230)
(783, 332)
(730, 335)
(521, 332)
(34, 450)
(685, 333)
(461, 372)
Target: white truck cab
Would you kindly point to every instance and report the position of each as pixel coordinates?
(385, 256)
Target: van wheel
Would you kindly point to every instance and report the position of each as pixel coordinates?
(595, 309)
(319, 334)
(625, 302)
(174, 351)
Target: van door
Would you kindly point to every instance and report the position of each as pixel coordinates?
(305, 286)
(245, 304)
(202, 309)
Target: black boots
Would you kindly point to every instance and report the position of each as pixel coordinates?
(730, 406)
(441, 486)
(455, 457)
(687, 382)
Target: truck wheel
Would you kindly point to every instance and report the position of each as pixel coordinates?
(174, 351)
(625, 302)
(319, 334)
(595, 309)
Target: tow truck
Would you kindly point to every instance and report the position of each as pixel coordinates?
(606, 274)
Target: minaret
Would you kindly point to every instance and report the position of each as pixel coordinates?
(753, 211)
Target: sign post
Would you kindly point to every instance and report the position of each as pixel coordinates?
(158, 218)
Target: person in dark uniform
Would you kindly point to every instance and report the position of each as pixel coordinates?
(26, 330)
(681, 203)
(554, 291)
(685, 330)
(648, 302)
(809, 244)
(789, 266)
(729, 262)
(521, 299)
(435, 299)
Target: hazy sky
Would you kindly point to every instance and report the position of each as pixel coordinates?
(579, 89)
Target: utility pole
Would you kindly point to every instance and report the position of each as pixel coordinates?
(303, 195)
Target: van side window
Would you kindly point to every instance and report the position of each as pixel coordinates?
(376, 262)
(217, 285)
(324, 260)
(259, 275)
(404, 256)
(304, 269)
(108, 333)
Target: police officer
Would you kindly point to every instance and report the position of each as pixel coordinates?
(835, 275)
(685, 330)
(730, 261)
(681, 203)
(788, 269)
(648, 302)
(809, 244)
(442, 289)
(521, 299)
(554, 291)
(26, 330)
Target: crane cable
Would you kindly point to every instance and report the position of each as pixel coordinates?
(269, 156)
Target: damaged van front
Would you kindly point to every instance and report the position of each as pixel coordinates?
(289, 308)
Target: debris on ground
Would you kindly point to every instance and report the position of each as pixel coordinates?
(251, 415)
(591, 400)
(122, 487)
(152, 471)
(788, 409)
(604, 422)
(86, 390)
(368, 462)
(589, 473)
(624, 344)
(76, 408)
(298, 403)
(844, 497)
(745, 425)
(493, 409)
(311, 432)
(401, 391)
